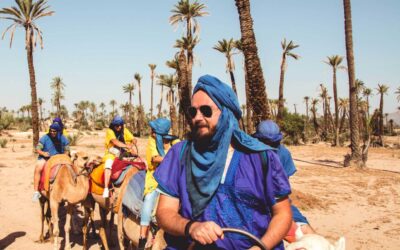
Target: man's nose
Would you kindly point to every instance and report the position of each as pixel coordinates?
(198, 116)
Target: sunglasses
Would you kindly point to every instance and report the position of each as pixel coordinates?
(205, 110)
(53, 131)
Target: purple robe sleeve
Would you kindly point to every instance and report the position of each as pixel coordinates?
(277, 181)
(168, 172)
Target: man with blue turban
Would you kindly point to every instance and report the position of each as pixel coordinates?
(52, 143)
(269, 133)
(221, 177)
(118, 141)
(158, 145)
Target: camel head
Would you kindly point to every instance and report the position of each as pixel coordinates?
(316, 242)
(84, 161)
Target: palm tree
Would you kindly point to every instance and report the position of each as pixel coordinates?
(343, 105)
(40, 103)
(313, 110)
(335, 61)
(397, 92)
(287, 51)
(367, 92)
(113, 103)
(382, 90)
(128, 88)
(140, 122)
(259, 102)
(57, 85)
(187, 13)
(325, 107)
(306, 99)
(355, 156)
(102, 106)
(227, 47)
(249, 123)
(25, 15)
(93, 109)
(170, 81)
(152, 74)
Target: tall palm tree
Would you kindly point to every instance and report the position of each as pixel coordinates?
(356, 156)
(152, 75)
(171, 82)
(40, 103)
(57, 85)
(367, 92)
(140, 121)
(25, 15)
(188, 44)
(227, 47)
(187, 13)
(382, 90)
(306, 100)
(287, 48)
(93, 109)
(102, 106)
(325, 107)
(259, 102)
(335, 61)
(113, 103)
(128, 88)
(397, 92)
(313, 110)
(249, 123)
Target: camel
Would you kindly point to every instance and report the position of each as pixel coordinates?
(128, 227)
(315, 242)
(71, 185)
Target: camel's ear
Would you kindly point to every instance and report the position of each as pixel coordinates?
(74, 155)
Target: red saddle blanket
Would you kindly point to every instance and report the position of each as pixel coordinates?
(120, 165)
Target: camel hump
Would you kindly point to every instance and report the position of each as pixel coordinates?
(59, 159)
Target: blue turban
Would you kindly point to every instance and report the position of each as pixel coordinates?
(208, 164)
(161, 127)
(56, 126)
(117, 121)
(269, 130)
(59, 121)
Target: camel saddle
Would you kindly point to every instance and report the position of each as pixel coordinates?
(51, 168)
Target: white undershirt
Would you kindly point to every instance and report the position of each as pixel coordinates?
(227, 163)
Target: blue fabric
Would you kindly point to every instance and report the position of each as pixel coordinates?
(297, 216)
(161, 127)
(133, 198)
(268, 129)
(208, 163)
(59, 121)
(122, 176)
(286, 160)
(244, 201)
(117, 121)
(147, 208)
(57, 128)
(48, 145)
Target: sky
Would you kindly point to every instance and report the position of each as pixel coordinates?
(96, 47)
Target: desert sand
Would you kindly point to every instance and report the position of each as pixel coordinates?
(361, 205)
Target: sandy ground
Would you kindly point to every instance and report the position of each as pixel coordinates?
(362, 205)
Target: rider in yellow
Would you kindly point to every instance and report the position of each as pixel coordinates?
(159, 144)
(118, 140)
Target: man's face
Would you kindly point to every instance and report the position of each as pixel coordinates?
(118, 128)
(203, 126)
(53, 133)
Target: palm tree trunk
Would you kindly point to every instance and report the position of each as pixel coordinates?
(161, 101)
(281, 102)
(307, 111)
(233, 81)
(34, 106)
(354, 132)
(249, 120)
(184, 91)
(259, 102)
(336, 108)
(342, 120)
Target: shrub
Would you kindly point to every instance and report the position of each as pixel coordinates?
(3, 142)
(293, 127)
(74, 138)
(6, 119)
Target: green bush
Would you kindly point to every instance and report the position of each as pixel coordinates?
(6, 120)
(292, 126)
(74, 138)
(3, 142)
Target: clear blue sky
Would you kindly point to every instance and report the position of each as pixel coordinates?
(97, 46)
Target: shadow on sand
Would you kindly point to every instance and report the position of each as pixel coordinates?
(9, 239)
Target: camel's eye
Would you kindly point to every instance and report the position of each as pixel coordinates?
(85, 158)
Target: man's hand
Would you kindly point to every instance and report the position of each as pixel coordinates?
(206, 232)
(46, 154)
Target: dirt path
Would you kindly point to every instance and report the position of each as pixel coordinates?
(363, 205)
